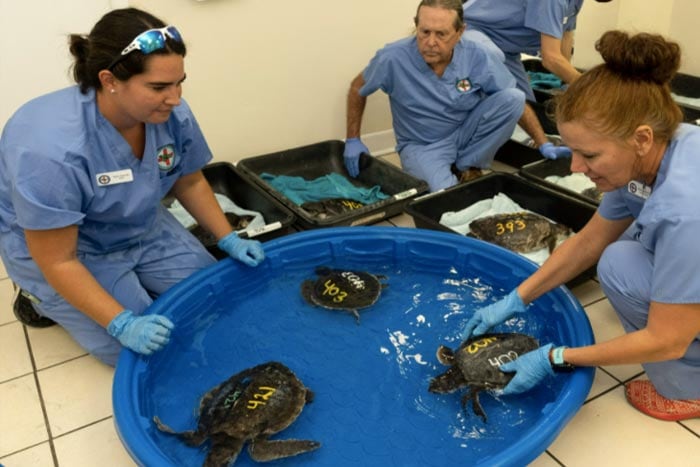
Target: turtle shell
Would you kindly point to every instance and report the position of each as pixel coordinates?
(248, 407)
(476, 364)
(522, 232)
(343, 289)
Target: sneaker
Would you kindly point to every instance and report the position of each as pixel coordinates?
(25, 312)
(643, 397)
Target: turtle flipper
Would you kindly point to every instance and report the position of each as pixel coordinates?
(264, 450)
(224, 450)
(191, 437)
(445, 355)
(356, 314)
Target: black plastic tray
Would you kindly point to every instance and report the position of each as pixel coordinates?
(538, 171)
(427, 210)
(225, 179)
(517, 154)
(319, 159)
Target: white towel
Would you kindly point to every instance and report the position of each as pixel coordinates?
(184, 217)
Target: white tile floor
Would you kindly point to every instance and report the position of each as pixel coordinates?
(55, 402)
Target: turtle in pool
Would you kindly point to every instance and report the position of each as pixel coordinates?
(522, 232)
(476, 365)
(343, 289)
(247, 408)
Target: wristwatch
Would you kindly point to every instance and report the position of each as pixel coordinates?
(556, 359)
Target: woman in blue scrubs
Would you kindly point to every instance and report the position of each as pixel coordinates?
(626, 135)
(83, 170)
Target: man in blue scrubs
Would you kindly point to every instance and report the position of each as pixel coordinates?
(83, 170)
(531, 27)
(453, 102)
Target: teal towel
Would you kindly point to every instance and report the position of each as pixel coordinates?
(333, 185)
(544, 81)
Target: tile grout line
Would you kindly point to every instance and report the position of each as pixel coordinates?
(54, 456)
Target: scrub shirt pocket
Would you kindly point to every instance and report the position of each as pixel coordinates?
(467, 100)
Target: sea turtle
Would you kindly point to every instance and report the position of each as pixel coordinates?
(476, 365)
(594, 193)
(248, 407)
(206, 238)
(343, 289)
(522, 232)
(330, 207)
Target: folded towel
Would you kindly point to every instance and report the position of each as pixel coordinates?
(543, 81)
(333, 185)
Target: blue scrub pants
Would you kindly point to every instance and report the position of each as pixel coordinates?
(473, 144)
(625, 271)
(164, 257)
(522, 80)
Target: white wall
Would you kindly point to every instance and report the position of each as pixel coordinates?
(34, 57)
(270, 75)
(265, 76)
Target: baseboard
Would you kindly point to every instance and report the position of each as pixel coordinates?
(380, 143)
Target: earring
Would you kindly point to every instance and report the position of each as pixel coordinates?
(112, 91)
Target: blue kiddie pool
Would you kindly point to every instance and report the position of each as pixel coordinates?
(370, 380)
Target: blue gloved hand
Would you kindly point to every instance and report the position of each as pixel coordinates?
(552, 152)
(249, 252)
(142, 334)
(491, 315)
(353, 148)
(529, 369)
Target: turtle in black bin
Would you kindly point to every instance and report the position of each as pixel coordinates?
(522, 232)
(247, 408)
(343, 289)
(476, 365)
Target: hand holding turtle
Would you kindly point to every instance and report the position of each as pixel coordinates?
(249, 252)
(491, 315)
(529, 369)
(142, 334)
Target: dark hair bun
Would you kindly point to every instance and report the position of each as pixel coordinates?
(643, 56)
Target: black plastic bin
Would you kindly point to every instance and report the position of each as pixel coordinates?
(539, 171)
(225, 179)
(517, 154)
(319, 159)
(427, 210)
(688, 86)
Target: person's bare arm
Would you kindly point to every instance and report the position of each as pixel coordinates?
(572, 257)
(196, 196)
(355, 107)
(532, 126)
(555, 61)
(670, 330)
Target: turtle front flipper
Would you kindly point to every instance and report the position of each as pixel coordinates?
(264, 450)
(191, 437)
(356, 314)
(224, 450)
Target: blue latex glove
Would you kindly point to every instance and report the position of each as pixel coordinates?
(353, 148)
(491, 315)
(249, 252)
(552, 152)
(529, 369)
(142, 334)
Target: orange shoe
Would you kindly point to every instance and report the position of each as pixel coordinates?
(643, 397)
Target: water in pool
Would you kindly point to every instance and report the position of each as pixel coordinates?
(372, 405)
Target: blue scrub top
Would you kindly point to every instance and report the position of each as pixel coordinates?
(62, 163)
(515, 26)
(668, 221)
(427, 108)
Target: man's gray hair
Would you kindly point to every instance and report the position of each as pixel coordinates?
(455, 5)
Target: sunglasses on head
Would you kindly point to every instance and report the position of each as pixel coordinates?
(148, 42)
